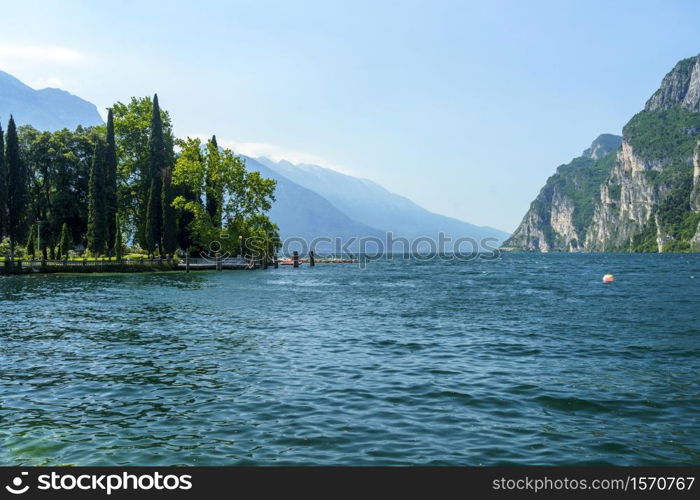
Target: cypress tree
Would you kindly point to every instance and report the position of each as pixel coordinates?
(110, 165)
(64, 242)
(150, 230)
(169, 227)
(97, 223)
(157, 162)
(17, 181)
(211, 182)
(3, 186)
(118, 241)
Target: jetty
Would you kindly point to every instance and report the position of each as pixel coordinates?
(335, 260)
(215, 263)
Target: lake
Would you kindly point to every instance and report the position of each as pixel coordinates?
(527, 359)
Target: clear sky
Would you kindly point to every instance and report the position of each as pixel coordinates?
(464, 107)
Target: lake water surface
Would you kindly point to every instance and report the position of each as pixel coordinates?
(528, 359)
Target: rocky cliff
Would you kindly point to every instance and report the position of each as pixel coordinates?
(559, 218)
(641, 196)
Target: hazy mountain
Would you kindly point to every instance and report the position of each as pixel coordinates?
(300, 212)
(371, 204)
(45, 109)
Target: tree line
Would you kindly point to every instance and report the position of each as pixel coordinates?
(96, 191)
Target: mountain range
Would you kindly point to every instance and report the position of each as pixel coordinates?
(303, 213)
(46, 109)
(311, 201)
(373, 206)
(635, 193)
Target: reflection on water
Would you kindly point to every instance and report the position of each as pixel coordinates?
(528, 359)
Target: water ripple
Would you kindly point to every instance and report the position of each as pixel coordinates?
(525, 360)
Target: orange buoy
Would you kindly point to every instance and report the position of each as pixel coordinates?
(608, 278)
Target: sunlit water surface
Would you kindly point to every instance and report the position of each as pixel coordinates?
(528, 359)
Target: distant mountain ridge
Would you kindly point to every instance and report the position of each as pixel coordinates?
(46, 109)
(371, 204)
(303, 213)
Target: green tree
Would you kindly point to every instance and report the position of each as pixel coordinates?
(157, 163)
(189, 168)
(3, 186)
(188, 186)
(247, 193)
(64, 242)
(154, 207)
(110, 164)
(213, 182)
(40, 155)
(169, 227)
(58, 165)
(201, 230)
(132, 129)
(97, 222)
(16, 188)
(261, 236)
(118, 242)
(76, 182)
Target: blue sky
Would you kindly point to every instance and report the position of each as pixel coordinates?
(464, 107)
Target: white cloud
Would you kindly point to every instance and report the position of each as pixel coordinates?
(38, 53)
(274, 152)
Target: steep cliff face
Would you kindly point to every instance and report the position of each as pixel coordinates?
(560, 215)
(695, 194)
(680, 87)
(627, 202)
(649, 197)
